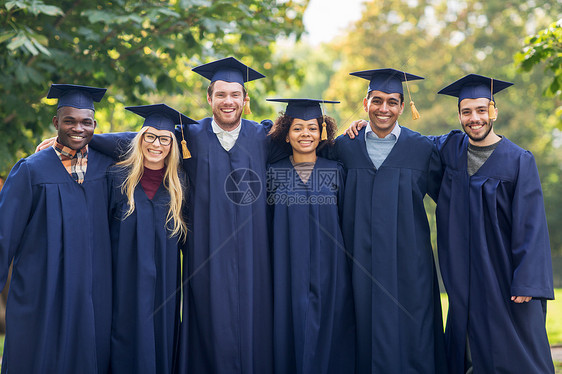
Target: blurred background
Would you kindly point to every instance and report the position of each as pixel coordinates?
(143, 52)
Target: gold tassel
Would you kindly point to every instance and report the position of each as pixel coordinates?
(491, 104)
(184, 150)
(491, 110)
(415, 113)
(324, 135)
(247, 109)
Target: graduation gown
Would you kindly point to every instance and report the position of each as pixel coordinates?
(493, 244)
(385, 227)
(58, 315)
(146, 281)
(227, 310)
(314, 322)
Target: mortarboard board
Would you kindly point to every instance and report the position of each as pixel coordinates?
(163, 117)
(229, 70)
(386, 80)
(304, 109)
(389, 81)
(160, 116)
(80, 97)
(474, 86)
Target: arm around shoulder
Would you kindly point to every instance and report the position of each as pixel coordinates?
(114, 145)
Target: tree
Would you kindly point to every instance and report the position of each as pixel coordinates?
(545, 48)
(139, 50)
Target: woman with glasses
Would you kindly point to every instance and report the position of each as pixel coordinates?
(313, 317)
(147, 228)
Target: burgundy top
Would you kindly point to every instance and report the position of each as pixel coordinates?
(151, 180)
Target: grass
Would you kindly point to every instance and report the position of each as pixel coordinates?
(554, 318)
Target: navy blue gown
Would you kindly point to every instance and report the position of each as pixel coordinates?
(227, 310)
(146, 281)
(493, 244)
(56, 231)
(314, 321)
(385, 227)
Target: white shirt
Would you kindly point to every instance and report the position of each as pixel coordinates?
(226, 138)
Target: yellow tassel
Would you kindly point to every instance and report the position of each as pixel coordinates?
(491, 110)
(184, 150)
(247, 109)
(415, 113)
(324, 135)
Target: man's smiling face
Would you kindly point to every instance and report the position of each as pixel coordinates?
(384, 110)
(75, 127)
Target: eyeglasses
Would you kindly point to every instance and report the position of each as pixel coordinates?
(151, 138)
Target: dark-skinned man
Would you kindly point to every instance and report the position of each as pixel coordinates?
(54, 226)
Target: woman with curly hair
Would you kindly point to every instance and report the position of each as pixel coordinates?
(147, 228)
(314, 323)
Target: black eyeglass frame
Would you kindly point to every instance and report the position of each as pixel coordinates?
(159, 137)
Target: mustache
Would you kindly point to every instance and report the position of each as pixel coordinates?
(476, 123)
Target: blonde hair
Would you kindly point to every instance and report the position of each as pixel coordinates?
(134, 162)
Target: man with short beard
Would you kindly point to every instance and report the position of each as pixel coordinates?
(227, 294)
(493, 242)
(54, 226)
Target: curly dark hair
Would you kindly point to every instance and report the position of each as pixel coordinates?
(280, 128)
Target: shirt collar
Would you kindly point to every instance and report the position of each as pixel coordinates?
(218, 130)
(395, 131)
(69, 152)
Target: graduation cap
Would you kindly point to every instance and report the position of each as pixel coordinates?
(389, 81)
(229, 70)
(474, 86)
(306, 109)
(163, 117)
(80, 97)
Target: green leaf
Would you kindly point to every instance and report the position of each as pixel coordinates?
(50, 10)
(6, 35)
(13, 4)
(17, 42)
(97, 16)
(30, 47)
(40, 47)
(168, 12)
(126, 19)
